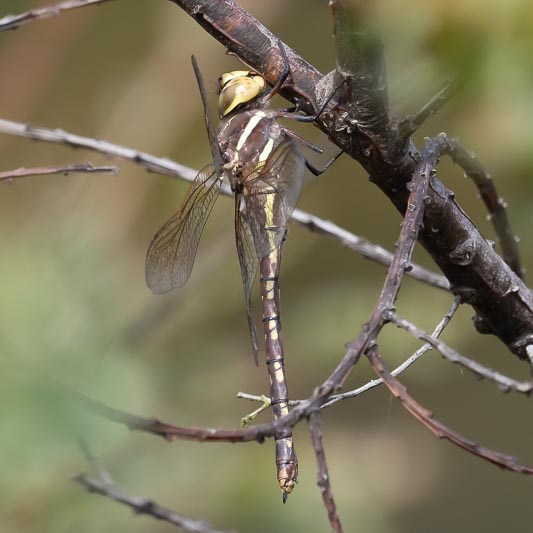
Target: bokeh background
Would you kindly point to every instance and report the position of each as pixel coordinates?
(74, 309)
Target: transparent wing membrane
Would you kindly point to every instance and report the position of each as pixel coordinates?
(248, 263)
(172, 251)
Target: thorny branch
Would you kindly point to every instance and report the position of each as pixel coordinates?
(323, 483)
(496, 205)
(143, 506)
(504, 383)
(10, 175)
(332, 400)
(411, 123)
(435, 426)
(11, 22)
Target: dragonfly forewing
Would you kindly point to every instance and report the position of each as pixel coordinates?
(171, 253)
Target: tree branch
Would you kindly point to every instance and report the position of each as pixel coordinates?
(404, 366)
(505, 383)
(12, 22)
(315, 431)
(435, 426)
(411, 123)
(143, 506)
(496, 205)
(10, 175)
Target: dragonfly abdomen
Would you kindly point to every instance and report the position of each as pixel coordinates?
(286, 461)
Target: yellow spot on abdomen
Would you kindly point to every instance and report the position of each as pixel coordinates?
(269, 287)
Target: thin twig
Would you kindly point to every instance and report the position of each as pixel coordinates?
(144, 505)
(435, 426)
(161, 165)
(170, 432)
(496, 205)
(11, 22)
(367, 249)
(171, 168)
(315, 431)
(505, 383)
(104, 476)
(404, 366)
(10, 175)
(411, 123)
(106, 486)
(332, 400)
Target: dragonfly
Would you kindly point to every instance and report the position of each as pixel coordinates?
(264, 164)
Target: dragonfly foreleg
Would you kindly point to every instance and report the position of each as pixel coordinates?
(283, 77)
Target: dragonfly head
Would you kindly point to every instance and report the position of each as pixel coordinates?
(237, 88)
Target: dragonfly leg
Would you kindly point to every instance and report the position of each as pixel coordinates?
(284, 75)
(302, 141)
(315, 171)
(293, 115)
(318, 171)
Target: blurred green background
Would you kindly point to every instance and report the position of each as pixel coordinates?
(75, 310)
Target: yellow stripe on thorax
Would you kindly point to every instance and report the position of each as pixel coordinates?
(252, 123)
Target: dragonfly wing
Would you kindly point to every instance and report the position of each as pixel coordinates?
(171, 253)
(271, 191)
(248, 263)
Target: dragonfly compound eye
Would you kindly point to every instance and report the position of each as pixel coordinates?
(237, 88)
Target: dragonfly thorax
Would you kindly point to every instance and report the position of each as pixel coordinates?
(246, 140)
